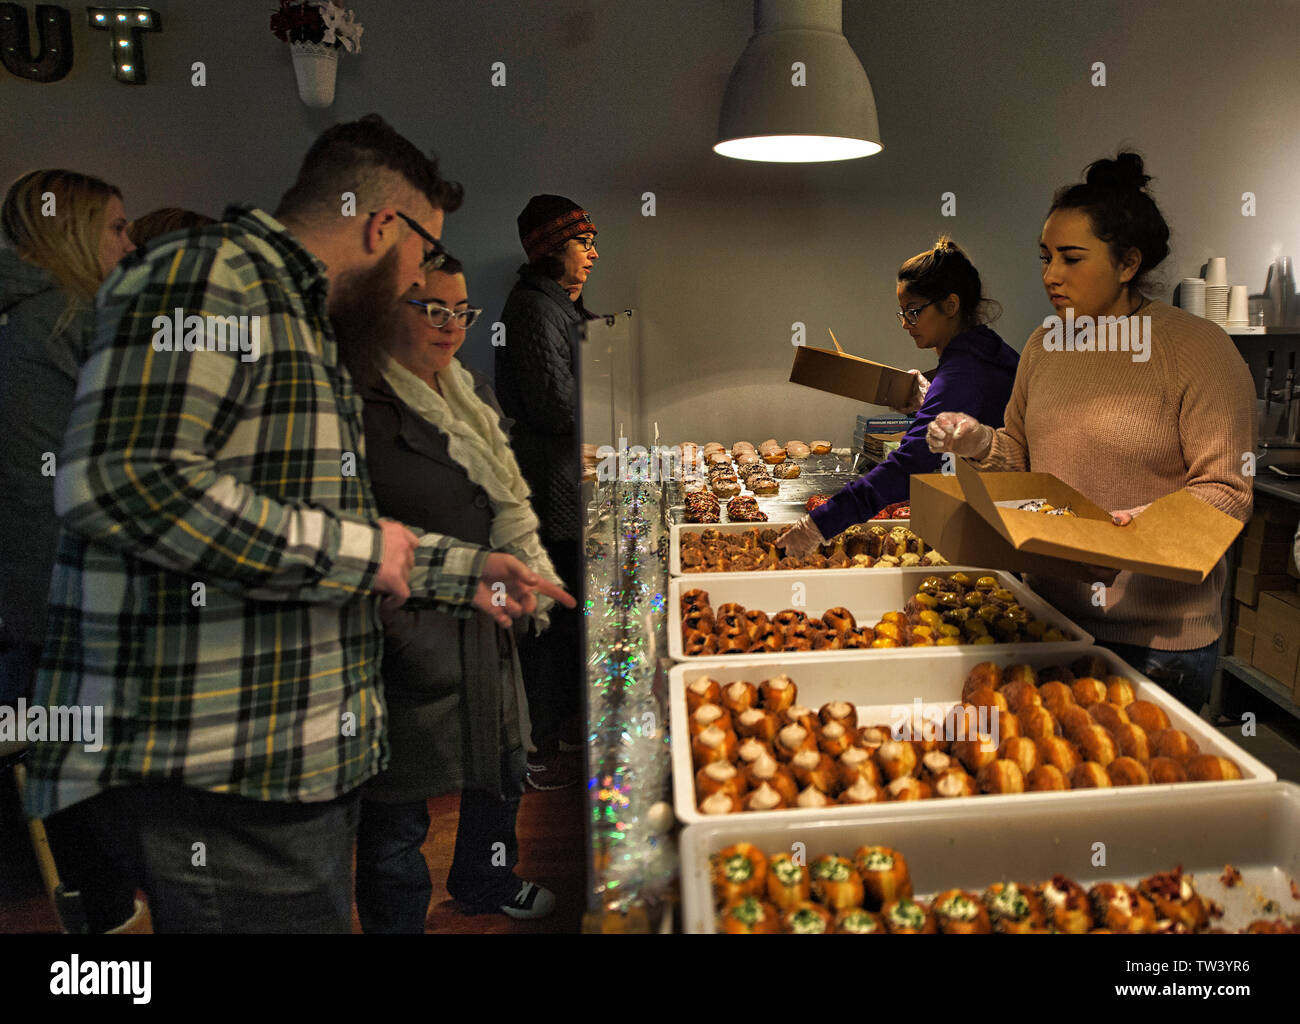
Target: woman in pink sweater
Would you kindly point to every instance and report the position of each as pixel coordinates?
(1126, 424)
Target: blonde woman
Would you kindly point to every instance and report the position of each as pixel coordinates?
(62, 233)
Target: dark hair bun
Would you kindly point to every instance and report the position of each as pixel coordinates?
(945, 270)
(1124, 173)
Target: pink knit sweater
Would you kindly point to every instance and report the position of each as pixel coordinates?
(1124, 433)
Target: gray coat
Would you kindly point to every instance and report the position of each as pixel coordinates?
(38, 383)
(453, 721)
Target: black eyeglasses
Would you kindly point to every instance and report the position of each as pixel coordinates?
(588, 242)
(439, 315)
(910, 316)
(432, 260)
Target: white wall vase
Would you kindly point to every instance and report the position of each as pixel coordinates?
(316, 67)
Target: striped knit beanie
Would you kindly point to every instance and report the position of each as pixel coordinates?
(547, 222)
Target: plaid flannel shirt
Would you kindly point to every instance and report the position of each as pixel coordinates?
(220, 540)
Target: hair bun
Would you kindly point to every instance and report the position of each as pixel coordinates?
(1123, 173)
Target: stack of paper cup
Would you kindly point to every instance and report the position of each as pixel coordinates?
(1191, 295)
(1216, 290)
(1238, 306)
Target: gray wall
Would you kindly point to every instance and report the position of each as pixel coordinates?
(608, 100)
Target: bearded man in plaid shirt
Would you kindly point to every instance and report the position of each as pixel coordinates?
(221, 562)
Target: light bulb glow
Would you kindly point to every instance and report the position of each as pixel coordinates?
(796, 149)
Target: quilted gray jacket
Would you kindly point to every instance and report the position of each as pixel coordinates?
(537, 388)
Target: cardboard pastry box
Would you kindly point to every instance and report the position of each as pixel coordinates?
(966, 516)
(1277, 643)
(851, 376)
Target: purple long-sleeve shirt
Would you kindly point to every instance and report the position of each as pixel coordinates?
(975, 375)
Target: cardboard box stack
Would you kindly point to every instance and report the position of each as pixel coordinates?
(1266, 615)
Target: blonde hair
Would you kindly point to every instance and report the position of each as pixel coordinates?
(66, 243)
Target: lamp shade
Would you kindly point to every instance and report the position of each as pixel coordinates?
(798, 94)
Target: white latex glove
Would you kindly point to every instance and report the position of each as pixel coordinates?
(960, 434)
(919, 388)
(801, 539)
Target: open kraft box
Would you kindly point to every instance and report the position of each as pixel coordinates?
(1179, 537)
(840, 373)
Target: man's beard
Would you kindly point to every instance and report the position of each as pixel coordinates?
(364, 312)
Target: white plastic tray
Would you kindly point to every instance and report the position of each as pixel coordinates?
(971, 844)
(879, 689)
(675, 556)
(868, 595)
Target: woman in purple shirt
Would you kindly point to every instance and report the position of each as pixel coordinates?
(942, 306)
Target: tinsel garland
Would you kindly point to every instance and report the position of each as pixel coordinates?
(628, 749)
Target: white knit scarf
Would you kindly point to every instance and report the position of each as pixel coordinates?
(479, 445)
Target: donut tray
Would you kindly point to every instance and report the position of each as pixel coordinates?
(868, 595)
(885, 689)
(1254, 828)
(675, 555)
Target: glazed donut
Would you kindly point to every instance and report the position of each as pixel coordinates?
(703, 690)
(897, 759)
(1001, 777)
(1035, 722)
(726, 487)
(764, 798)
(819, 447)
(749, 458)
(953, 783)
(1021, 751)
(1088, 690)
(1165, 770)
(773, 456)
(1060, 754)
(698, 644)
(1045, 777)
(840, 620)
(1173, 743)
(790, 617)
(777, 693)
(719, 777)
(739, 696)
(756, 724)
(1073, 720)
(1096, 744)
(834, 738)
(707, 715)
(1209, 768)
(1020, 694)
(1056, 697)
(984, 676)
(854, 764)
(771, 442)
(1132, 741)
(1120, 691)
(1150, 716)
(1089, 775)
(813, 768)
(797, 450)
(713, 744)
(988, 699)
(1126, 771)
(1109, 716)
(908, 788)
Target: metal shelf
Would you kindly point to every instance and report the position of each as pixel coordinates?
(1263, 684)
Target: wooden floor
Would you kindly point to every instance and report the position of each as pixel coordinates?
(551, 844)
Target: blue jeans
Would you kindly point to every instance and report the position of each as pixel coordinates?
(262, 866)
(1185, 674)
(393, 885)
